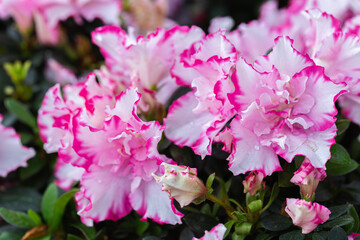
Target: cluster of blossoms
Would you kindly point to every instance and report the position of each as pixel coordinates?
(266, 89)
(46, 15)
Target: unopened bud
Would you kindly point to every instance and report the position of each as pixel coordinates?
(181, 183)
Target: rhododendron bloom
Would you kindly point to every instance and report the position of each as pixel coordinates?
(216, 233)
(12, 153)
(197, 117)
(181, 183)
(122, 155)
(286, 107)
(145, 62)
(254, 182)
(307, 178)
(306, 215)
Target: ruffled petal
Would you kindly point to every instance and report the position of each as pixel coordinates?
(150, 201)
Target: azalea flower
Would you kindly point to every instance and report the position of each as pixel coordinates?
(12, 153)
(306, 215)
(144, 62)
(122, 156)
(286, 107)
(197, 117)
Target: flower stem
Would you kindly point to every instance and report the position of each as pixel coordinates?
(229, 209)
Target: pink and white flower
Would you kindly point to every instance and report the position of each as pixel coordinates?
(307, 178)
(181, 183)
(216, 233)
(254, 182)
(306, 215)
(286, 107)
(145, 62)
(353, 236)
(197, 117)
(122, 154)
(12, 153)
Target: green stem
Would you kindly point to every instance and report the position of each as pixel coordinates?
(229, 209)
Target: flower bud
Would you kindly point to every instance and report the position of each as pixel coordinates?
(255, 206)
(353, 236)
(307, 178)
(306, 215)
(243, 228)
(181, 183)
(253, 182)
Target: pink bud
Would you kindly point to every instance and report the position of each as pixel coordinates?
(216, 233)
(353, 236)
(307, 178)
(306, 215)
(181, 183)
(253, 182)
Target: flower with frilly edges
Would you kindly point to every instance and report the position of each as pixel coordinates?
(253, 182)
(306, 215)
(307, 177)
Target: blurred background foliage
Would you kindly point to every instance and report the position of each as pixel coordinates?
(31, 188)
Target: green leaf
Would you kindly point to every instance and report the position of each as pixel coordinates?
(150, 238)
(26, 137)
(73, 237)
(337, 211)
(274, 193)
(275, 222)
(34, 166)
(263, 236)
(206, 209)
(48, 202)
(11, 235)
(342, 125)
(337, 233)
(47, 237)
(338, 222)
(21, 112)
(322, 235)
(353, 213)
(285, 176)
(228, 226)
(340, 162)
(199, 222)
(15, 218)
(20, 199)
(9, 232)
(210, 181)
(59, 208)
(34, 217)
(88, 232)
(141, 227)
(294, 235)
